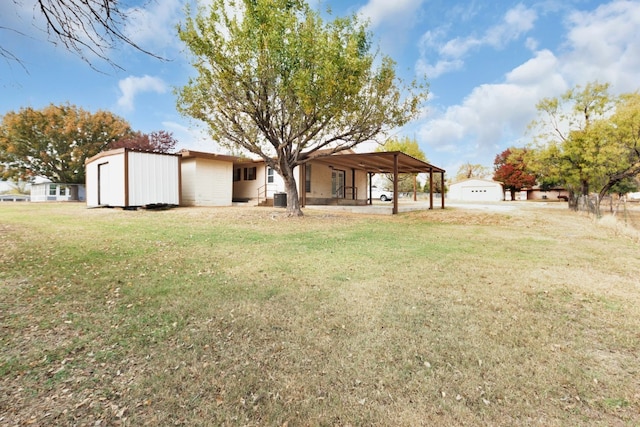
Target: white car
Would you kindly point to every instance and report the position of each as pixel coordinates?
(383, 195)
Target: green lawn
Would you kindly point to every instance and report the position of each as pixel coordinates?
(240, 316)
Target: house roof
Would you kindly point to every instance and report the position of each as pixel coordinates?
(210, 156)
(378, 162)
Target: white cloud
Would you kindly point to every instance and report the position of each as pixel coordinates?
(440, 68)
(450, 53)
(529, 73)
(604, 45)
(494, 113)
(132, 85)
(531, 44)
(155, 24)
(191, 138)
(397, 11)
(517, 21)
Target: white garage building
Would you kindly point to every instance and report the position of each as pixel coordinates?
(476, 190)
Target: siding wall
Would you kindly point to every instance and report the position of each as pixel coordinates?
(150, 178)
(188, 169)
(206, 182)
(321, 185)
(105, 181)
(248, 189)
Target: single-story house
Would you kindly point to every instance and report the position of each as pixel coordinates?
(556, 193)
(476, 190)
(130, 178)
(14, 198)
(57, 192)
(343, 178)
(323, 183)
(207, 178)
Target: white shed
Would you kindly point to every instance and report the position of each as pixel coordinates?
(476, 190)
(207, 179)
(128, 178)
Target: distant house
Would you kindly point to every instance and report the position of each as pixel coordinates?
(57, 192)
(476, 190)
(129, 178)
(556, 193)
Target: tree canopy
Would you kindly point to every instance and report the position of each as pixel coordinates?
(275, 80)
(157, 141)
(54, 142)
(511, 170)
(469, 170)
(588, 139)
(565, 134)
(409, 146)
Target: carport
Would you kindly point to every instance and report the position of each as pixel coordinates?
(388, 162)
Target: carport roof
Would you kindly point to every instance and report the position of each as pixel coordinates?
(378, 162)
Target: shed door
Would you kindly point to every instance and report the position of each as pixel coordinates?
(103, 187)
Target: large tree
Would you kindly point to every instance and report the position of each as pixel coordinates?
(89, 28)
(599, 148)
(511, 170)
(471, 170)
(54, 142)
(564, 137)
(275, 80)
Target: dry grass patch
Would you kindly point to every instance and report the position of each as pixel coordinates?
(237, 316)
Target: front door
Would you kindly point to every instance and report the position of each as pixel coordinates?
(337, 184)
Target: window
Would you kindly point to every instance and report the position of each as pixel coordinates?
(63, 191)
(237, 174)
(250, 174)
(307, 179)
(52, 190)
(270, 175)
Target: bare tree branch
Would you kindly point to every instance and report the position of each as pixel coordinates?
(85, 27)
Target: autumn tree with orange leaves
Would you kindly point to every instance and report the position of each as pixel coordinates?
(54, 142)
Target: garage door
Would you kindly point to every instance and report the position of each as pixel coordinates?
(476, 194)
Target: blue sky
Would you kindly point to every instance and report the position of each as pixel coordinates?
(487, 64)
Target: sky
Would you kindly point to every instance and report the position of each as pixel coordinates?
(487, 64)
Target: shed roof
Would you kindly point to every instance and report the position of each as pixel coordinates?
(115, 151)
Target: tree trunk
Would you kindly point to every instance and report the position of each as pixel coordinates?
(293, 201)
(573, 200)
(584, 187)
